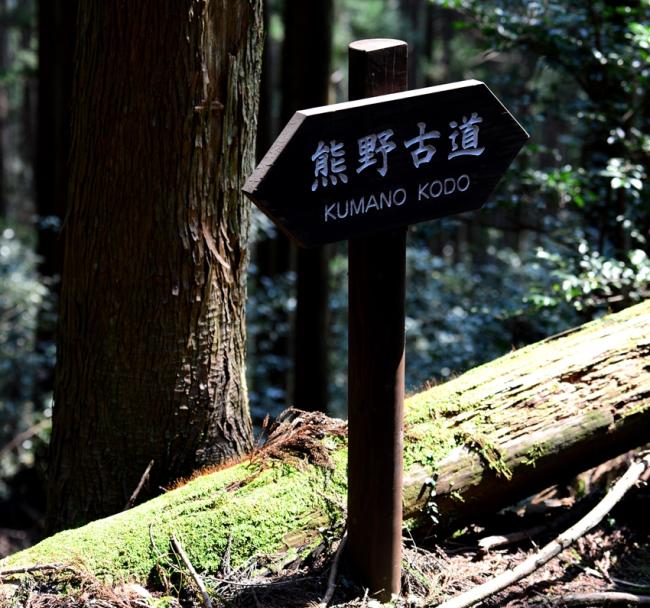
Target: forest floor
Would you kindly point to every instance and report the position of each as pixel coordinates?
(614, 556)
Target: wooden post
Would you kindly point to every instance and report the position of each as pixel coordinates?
(301, 184)
(376, 360)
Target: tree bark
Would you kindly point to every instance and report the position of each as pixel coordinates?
(152, 338)
(490, 437)
(56, 40)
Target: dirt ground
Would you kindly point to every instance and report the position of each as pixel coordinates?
(615, 556)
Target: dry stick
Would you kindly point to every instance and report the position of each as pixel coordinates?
(195, 576)
(623, 583)
(604, 598)
(492, 542)
(499, 540)
(331, 581)
(143, 480)
(556, 546)
(9, 572)
(27, 434)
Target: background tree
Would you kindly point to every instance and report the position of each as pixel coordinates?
(151, 349)
(306, 58)
(57, 20)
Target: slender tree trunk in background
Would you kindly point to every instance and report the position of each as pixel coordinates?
(56, 35)
(305, 83)
(56, 39)
(428, 41)
(152, 337)
(265, 123)
(28, 122)
(272, 256)
(4, 106)
(414, 15)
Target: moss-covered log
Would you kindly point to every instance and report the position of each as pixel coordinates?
(489, 437)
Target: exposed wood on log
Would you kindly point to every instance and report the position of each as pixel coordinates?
(492, 436)
(535, 417)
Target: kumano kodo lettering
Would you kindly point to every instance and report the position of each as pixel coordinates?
(426, 191)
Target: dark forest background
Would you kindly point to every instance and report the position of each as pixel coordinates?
(562, 241)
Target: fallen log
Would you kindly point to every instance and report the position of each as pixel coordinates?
(479, 442)
(532, 418)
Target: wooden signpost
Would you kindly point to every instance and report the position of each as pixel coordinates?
(363, 171)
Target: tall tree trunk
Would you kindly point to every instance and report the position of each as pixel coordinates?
(152, 338)
(56, 40)
(305, 83)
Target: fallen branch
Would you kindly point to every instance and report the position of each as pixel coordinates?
(331, 581)
(603, 598)
(528, 566)
(138, 488)
(193, 573)
(488, 543)
(9, 572)
(623, 583)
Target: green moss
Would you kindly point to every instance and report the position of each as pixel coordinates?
(427, 444)
(635, 411)
(456, 496)
(533, 455)
(259, 517)
(488, 452)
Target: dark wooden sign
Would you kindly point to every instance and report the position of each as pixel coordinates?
(344, 170)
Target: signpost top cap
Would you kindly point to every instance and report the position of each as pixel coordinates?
(374, 44)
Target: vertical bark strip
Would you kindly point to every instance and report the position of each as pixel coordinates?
(152, 338)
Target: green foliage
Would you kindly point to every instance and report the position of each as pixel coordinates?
(588, 90)
(22, 296)
(268, 313)
(591, 281)
(462, 314)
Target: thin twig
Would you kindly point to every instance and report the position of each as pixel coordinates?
(194, 574)
(143, 480)
(500, 540)
(9, 572)
(556, 546)
(623, 583)
(224, 567)
(331, 581)
(604, 598)
(260, 582)
(26, 434)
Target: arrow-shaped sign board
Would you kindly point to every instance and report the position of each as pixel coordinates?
(340, 171)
